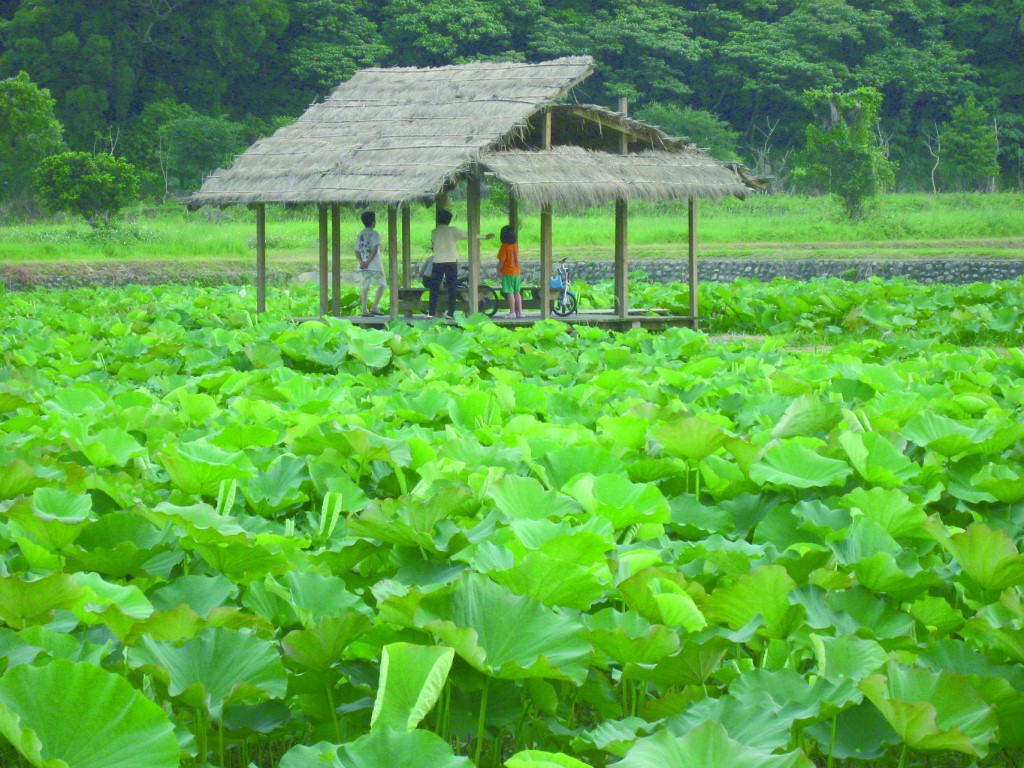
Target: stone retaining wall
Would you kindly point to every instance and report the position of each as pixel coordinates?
(947, 270)
(727, 270)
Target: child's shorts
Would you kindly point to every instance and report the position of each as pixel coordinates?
(511, 284)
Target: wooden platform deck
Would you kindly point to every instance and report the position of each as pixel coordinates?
(604, 319)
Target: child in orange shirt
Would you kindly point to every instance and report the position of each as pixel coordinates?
(508, 271)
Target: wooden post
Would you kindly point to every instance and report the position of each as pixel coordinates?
(322, 209)
(335, 259)
(473, 230)
(692, 221)
(545, 237)
(393, 260)
(545, 261)
(622, 235)
(406, 248)
(261, 258)
(513, 210)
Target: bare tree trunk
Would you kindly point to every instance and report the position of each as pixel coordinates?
(933, 141)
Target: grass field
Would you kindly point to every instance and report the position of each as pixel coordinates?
(898, 226)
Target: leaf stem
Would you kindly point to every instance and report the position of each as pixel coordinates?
(334, 711)
(482, 721)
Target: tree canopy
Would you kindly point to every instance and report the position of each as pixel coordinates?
(736, 68)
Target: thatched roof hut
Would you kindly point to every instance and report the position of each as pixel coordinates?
(394, 136)
(404, 135)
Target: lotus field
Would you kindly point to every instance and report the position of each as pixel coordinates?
(232, 541)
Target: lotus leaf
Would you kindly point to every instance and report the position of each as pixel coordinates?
(795, 465)
(706, 746)
(381, 746)
(411, 680)
(321, 646)
(115, 726)
(498, 633)
(532, 758)
(933, 711)
(988, 556)
(218, 667)
(27, 602)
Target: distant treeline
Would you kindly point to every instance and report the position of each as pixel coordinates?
(729, 74)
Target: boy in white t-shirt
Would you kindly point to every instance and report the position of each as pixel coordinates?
(371, 270)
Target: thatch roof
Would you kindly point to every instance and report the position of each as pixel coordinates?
(571, 177)
(391, 136)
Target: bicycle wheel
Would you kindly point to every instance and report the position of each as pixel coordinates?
(488, 300)
(564, 304)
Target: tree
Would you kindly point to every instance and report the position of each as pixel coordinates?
(29, 132)
(95, 186)
(841, 155)
(698, 125)
(970, 148)
(198, 144)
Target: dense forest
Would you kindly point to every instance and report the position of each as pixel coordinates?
(141, 78)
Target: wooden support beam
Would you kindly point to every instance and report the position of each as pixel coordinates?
(406, 246)
(393, 260)
(545, 237)
(513, 210)
(545, 261)
(622, 235)
(261, 258)
(473, 230)
(621, 258)
(335, 259)
(324, 306)
(692, 249)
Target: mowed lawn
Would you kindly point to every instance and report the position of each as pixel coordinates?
(897, 226)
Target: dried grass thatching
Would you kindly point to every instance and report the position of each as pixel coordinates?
(392, 136)
(574, 178)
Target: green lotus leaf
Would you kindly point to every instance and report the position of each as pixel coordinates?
(314, 596)
(500, 634)
(411, 680)
(942, 434)
(933, 710)
(26, 646)
(1004, 482)
(239, 561)
(881, 573)
(117, 605)
(243, 720)
(381, 746)
(662, 596)
(16, 477)
(706, 746)
(937, 615)
(620, 501)
(27, 602)
(692, 438)
(891, 508)
(200, 593)
(805, 416)
(754, 720)
(112, 447)
(877, 460)
(524, 498)
(52, 517)
(198, 468)
(321, 647)
(764, 591)
(534, 758)
(860, 732)
(614, 737)
(988, 556)
(627, 432)
(628, 638)
(564, 464)
(218, 667)
(117, 545)
(411, 521)
(369, 446)
(77, 715)
(791, 464)
(199, 522)
(553, 581)
(475, 409)
(864, 539)
(697, 660)
(857, 611)
(278, 487)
